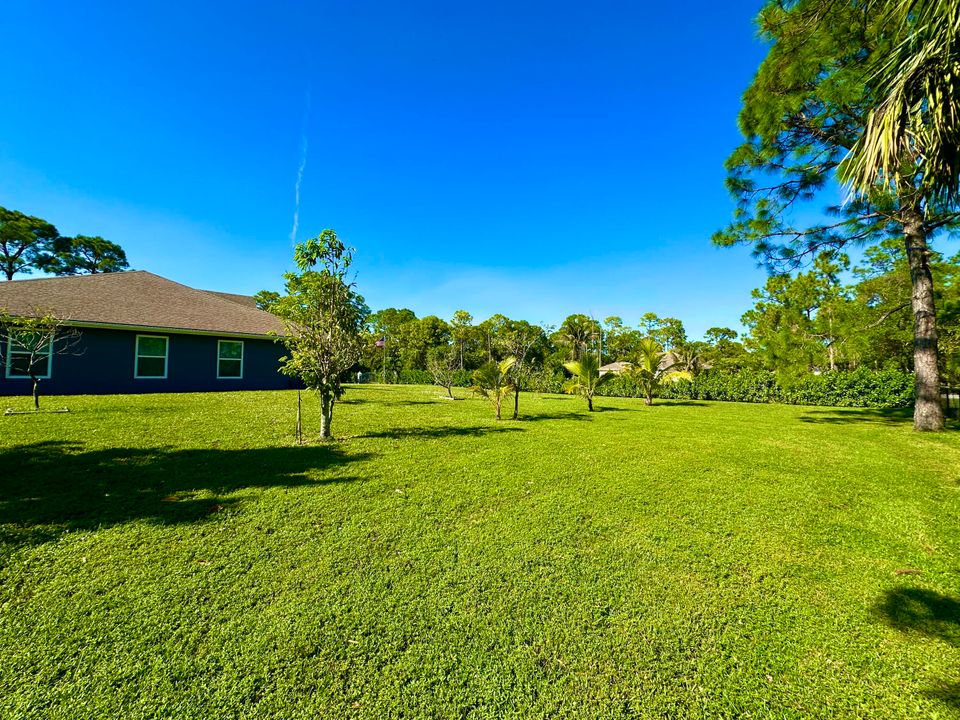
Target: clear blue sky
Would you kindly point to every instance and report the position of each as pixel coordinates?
(529, 158)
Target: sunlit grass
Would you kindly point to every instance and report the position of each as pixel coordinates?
(178, 556)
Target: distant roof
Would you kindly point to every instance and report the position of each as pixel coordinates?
(137, 299)
(615, 367)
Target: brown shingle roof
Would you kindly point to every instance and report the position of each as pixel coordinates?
(245, 300)
(136, 299)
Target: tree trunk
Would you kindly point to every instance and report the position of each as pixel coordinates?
(36, 392)
(516, 403)
(326, 415)
(649, 398)
(450, 391)
(927, 413)
(589, 403)
(497, 404)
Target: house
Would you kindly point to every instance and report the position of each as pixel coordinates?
(615, 367)
(137, 332)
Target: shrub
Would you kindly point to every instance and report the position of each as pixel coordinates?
(856, 388)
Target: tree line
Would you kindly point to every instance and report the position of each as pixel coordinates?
(29, 243)
(835, 315)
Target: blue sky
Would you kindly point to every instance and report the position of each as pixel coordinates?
(529, 158)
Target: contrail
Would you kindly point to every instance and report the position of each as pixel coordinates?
(303, 166)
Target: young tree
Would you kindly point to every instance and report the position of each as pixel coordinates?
(443, 366)
(24, 242)
(586, 378)
(82, 255)
(28, 345)
(323, 318)
(518, 338)
(493, 381)
(807, 107)
(648, 368)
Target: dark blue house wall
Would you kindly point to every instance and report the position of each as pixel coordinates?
(103, 362)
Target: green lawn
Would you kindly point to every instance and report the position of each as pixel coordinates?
(178, 556)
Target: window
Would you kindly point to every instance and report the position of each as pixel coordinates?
(151, 357)
(229, 359)
(18, 358)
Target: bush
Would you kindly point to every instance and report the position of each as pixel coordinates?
(856, 388)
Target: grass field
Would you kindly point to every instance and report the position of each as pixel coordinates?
(178, 556)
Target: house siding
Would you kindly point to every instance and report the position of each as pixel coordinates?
(102, 362)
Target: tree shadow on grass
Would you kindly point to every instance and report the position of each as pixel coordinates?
(929, 613)
(923, 611)
(578, 416)
(50, 487)
(848, 416)
(400, 403)
(433, 433)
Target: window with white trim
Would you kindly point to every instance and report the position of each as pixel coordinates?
(18, 357)
(229, 359)
(151, 359)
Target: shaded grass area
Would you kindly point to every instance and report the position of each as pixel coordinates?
(179, 556)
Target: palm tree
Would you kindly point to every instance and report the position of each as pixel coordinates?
(917, 110)
(649, 368)
(586, 378)
(493, 381)
(687, 358)
(576, 332)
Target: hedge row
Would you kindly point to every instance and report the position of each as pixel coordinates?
(856, 388)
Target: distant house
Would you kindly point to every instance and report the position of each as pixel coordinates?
(615, 367)
(140, 332)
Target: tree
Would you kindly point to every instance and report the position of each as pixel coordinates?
(24, 242)
(648, 368)
(265, 299)
(28, 344)
(806, 108)
(916, 111)
(586, 378)
(492, 381)
(797, 324)
(323, 318)
(461, 327)
(83, 255)
(518, 338)
(443, 366)
(382, 347)
(723, 351)
(689, 357)
(576, 332)
(491, 329)
(667, 331)
(416, 338)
